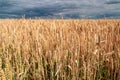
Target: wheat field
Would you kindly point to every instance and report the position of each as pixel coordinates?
(32, 49)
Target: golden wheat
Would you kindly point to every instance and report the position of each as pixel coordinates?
(59, 49)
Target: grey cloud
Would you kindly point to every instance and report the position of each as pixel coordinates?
(58, 8)
(113, 2)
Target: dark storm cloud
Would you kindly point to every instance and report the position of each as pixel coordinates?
(112, 2)
(59, 8)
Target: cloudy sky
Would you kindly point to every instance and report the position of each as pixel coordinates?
(60, 8)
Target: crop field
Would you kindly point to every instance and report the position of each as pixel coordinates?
(32, 49)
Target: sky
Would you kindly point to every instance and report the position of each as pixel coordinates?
(74, 9)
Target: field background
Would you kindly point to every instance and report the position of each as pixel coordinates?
(59, 49)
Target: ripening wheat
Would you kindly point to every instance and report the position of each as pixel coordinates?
(59, 49)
